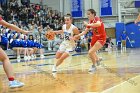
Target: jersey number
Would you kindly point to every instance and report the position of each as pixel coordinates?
(96, 30)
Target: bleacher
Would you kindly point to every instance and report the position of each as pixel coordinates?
(12, 54)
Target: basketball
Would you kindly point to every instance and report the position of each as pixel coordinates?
(50, 35)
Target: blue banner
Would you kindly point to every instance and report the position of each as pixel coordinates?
(105, 8)
(76, 8)
(137, 3)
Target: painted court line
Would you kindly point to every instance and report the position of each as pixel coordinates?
(107, 90)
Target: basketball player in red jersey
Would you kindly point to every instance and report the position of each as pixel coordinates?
(4, 58)
(98, 38)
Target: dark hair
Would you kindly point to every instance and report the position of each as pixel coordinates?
(92, 11)
(68, 15)
(31, 37)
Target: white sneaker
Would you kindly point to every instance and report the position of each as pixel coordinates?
(25, 58)
(54, 69)
(49, 49)
(18, 58)
(15, 84)
(54, 75)
(42, 56)
(32, 57)
(29, 57)
(92, 69)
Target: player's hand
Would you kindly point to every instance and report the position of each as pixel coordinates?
(76, 37)
(85, 23)
(71, 38)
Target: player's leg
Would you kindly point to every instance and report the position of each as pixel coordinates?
(58, 54)
(61, 55)
(9, 70)
(60, 60)
(93, 55)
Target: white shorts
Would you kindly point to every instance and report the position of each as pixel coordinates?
(66, 47)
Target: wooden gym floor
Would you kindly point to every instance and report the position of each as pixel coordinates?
(119, 72)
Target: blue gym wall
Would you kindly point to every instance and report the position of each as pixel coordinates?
(132, 31)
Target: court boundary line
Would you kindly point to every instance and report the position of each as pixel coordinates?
(118, 84)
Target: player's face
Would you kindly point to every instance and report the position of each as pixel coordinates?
(67, 20)
(90, 15)
(14, 36)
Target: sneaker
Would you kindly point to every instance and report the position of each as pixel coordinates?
(49, 49)
(32, 57)
(25, 58)
(92, 69)
(42, 56)
(15, 84)
(18, 58)
(29, 58)
(54, 69)
(54, 75)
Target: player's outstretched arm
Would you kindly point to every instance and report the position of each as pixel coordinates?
(58, 32)
(81, 34)
(13, 27)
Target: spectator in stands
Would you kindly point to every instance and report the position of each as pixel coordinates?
(109, 44)
(15, 44)
(123, 37)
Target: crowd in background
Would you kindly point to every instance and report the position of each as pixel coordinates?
(33, 12)
(30, 17)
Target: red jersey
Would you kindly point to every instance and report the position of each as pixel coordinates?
(99, 34)
(98, 31)
(1, 18)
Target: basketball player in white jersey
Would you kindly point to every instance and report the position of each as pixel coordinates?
(68, 44)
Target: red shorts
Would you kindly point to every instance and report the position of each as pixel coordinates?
(100, 39)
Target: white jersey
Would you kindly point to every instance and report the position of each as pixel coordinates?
(67, 45)
(68, 33)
